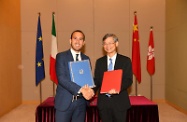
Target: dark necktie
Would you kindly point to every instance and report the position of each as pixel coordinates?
(77, 55)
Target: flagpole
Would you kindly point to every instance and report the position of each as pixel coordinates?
(40, 69)
(136, 65)
(40, 92)
(136, 92)
(150, 61)
(151, 86)
(53, 13)
(136, 89)
(53, 55)
(40, 82)
(53, 89)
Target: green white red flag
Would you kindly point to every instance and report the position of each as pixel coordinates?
(54, 51)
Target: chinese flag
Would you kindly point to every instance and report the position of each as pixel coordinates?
(150, 55)
(136, 65)
(52, 69)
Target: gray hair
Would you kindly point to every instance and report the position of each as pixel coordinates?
(115, 38)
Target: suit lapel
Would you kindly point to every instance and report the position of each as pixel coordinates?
(69, 55)
(117, 62)
(82, 56)
(105, 65)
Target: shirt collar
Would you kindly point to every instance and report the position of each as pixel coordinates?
(74, 53)
(113, 57)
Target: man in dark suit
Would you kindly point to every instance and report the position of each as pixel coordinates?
(70, 99)
(113, 105)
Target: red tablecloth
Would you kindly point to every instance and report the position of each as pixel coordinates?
(142, 110)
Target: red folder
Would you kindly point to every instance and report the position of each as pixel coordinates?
(111, 80)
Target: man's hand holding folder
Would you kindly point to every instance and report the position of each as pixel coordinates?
(111, 83)
(113, 91)
(80, 73)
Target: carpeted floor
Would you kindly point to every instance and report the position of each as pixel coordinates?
(26, 113)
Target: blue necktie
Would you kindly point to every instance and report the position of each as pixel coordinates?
(110, 66)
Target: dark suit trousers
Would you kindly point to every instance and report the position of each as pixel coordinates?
(75, 113)
(110, 114)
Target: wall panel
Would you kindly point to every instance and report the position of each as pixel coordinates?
(95, 18)
(10, 59)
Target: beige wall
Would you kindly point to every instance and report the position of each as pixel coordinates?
(95, 18)
(176, 52)
(10, 55)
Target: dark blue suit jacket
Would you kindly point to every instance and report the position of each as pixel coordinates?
(66, 88)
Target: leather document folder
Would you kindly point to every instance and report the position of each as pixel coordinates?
(80, 73)
(111, 80)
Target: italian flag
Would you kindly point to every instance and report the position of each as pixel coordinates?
(52, 69)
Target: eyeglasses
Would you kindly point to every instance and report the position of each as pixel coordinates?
(105, 44)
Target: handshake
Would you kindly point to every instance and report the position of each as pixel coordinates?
(87, 92)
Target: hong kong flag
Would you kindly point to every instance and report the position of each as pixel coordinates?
(150, 55)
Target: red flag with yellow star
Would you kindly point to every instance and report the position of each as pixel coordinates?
(136, 65)
(150, 54)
